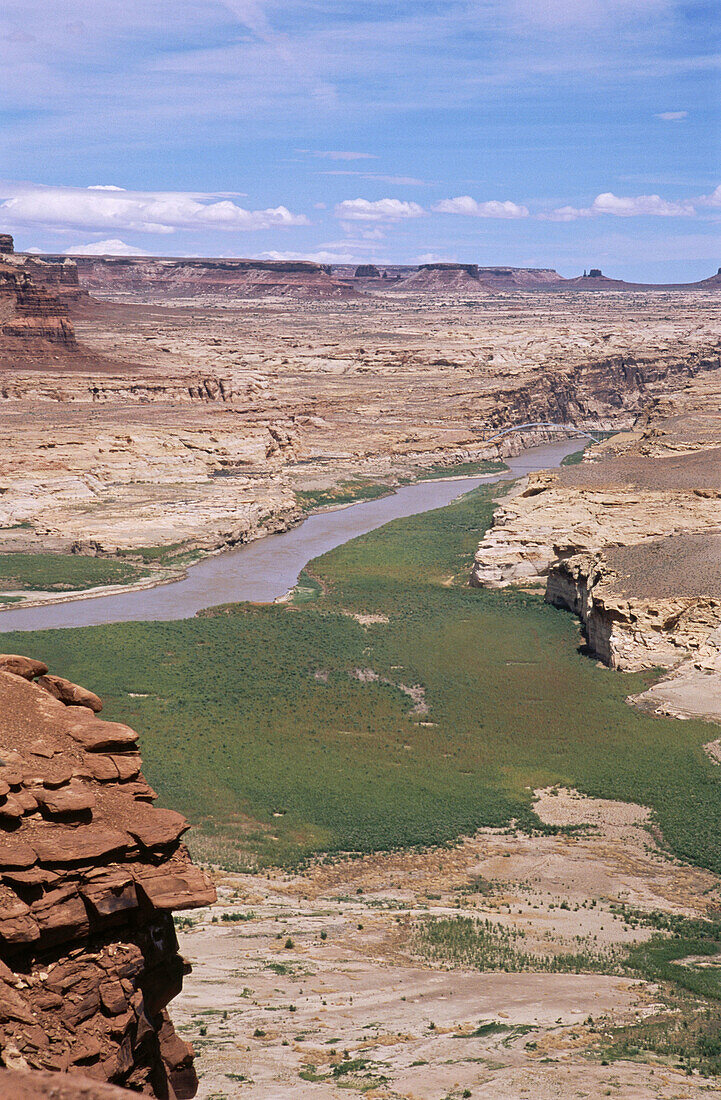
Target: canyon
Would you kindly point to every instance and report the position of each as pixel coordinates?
(164, 423)
(158, 409)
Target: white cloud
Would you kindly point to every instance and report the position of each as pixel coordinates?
(111, 247)
(140, 211)
(332, 154)
(671, 116)
(397, 181)
(464, 204)
(625, 207)
(391, 210)
(434, 258)
(104, 187)
(713, 200)
(320, 257)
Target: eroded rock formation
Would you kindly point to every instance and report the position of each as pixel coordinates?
(32, 319)
(630, 541)
(443, 277)
(91, 873)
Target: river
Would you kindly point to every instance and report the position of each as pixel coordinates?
(263, 570)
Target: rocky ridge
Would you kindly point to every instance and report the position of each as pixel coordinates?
(90, 875)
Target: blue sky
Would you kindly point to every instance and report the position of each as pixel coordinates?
(560, 133)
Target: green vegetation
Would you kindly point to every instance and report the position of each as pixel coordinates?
(486, 945)
(350, 492)
(574, 459)
(577, 456)
(307, 589)
(261, 725)
(683, 957)
(63, 572)
(170, 554)
(346, 492)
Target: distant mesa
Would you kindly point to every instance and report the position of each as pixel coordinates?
(470, 269)
(521, 277)
(178, 277)
(70, 282)
(444, 277)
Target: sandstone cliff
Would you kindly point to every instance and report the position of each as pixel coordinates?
(91, 873)
(630, 541)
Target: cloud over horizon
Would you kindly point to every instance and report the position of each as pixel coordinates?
(102, 207)
(525, 123)
(630, 207)
(111, 247)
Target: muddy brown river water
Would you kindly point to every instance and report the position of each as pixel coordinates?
(262, 571)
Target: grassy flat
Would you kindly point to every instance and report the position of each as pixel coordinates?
(291, 729)
(63, 572)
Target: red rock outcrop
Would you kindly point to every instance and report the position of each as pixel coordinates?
(32, 319)
(90, 873)
(60, 278)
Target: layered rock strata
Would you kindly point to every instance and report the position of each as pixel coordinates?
(90, 874)
(32, 319)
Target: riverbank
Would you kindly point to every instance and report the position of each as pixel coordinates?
(263, 570)
(479, 967)
(300, 730)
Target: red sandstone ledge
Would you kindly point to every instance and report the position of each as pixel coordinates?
(90, 873)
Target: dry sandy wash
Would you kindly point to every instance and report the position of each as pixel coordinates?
(323, 969)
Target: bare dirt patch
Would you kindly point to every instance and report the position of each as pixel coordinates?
(308, 985)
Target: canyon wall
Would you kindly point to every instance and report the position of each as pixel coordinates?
(207, 420)
(630, 541)
(90, 875)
